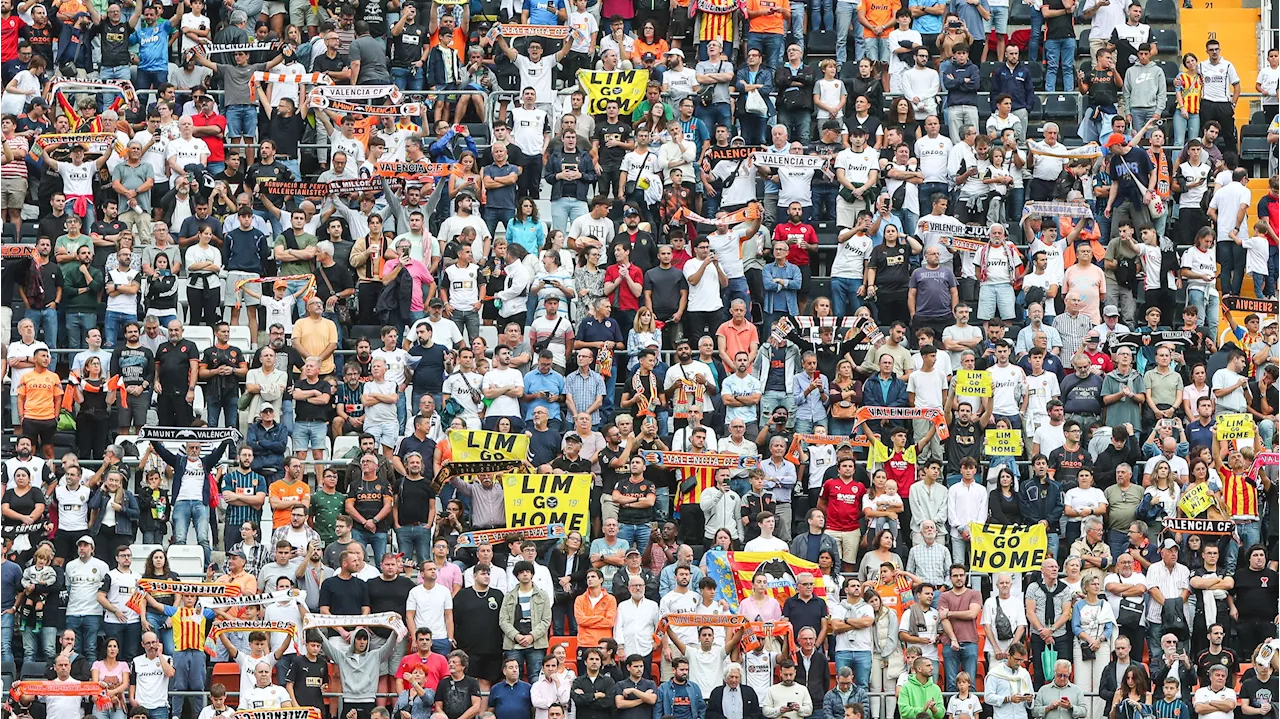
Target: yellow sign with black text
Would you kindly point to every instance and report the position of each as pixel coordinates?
(1196, 500)
(1013, 548)
(973, 383)
(625, 86)
(476, 445)
(1004, 442)
(1234, 426)
(536, 499)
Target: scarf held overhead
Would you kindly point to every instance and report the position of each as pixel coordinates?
(384, 620)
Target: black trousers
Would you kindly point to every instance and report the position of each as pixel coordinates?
(698, 324)
(204, 307)
(1225, 114)
(173, 410)
(530, 182)
(367, 299)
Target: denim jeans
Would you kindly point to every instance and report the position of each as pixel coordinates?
(753, 127)
(151, 79)
(196, 514)
(1250, 533)
(468, 321)
(1037, 30)
(530, 658)
(846, 26)
(293, 165)
(770, 401)
(966, 659)
(824, 16)
(844, 296)
(562, 619)
(796, 33)
(189, 675)
(407, 78)
(637, 535)
(993, 298)
(6, 636)
(799, 124)
(242, 120)
(415, 541)
(494, 215)
(928, 190)
(226, 407)
(86, 628)
(46, 319)
(78, 324)
(1059, 56)
(157, 620)
(46, 640)
(1091, 127)
(718, 113)
(159, 712)
(770, 45)
(114, 326)
(128, 636)
(1231, 261)
(270, 219)
(737, 289)
(1185, 127)
(1140, 115)
(564, 210)
(118, 72)
(960, 115)
(374, 542)
(859, 662)
(108, 714)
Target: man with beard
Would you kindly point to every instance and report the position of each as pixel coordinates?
(477, 626)
(177, 366)
(244, 491)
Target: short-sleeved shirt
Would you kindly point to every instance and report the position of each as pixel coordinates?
(965, 630)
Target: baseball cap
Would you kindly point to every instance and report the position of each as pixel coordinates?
(38, 101)
(1110, 311)
(631, 212)
(266, 408)
(436, 302)
(675, 51)
(648, 57)
(632, 551)
(1114, 139)
(86, 539)
(238, 553)
(1169, 543)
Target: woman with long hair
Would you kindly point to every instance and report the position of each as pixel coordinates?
(648, 40)
(881, 551)
(204, 286)
(1133, 697)
(95, 402)
(161, 299)
(465, 177)
(1003, 502)
(569, 563)
(722, 542)
(588, 281)
(869, 83)
(157, 567)
(113, 675)
(255, 552)
(880, 510)
(115, 517)
(902, 116)
(887, 662)
(1093, 625)
(525, 229)
(845, 397)
(1160, 498)
(1189, 87)
(644, 333)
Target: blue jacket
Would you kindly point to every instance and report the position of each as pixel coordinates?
(781, 298)
(665, 706)
(1015, 83)
(126, 521)
(179, 464)
(876, 395)
(268, 445)
(1041, 502)
(764, 76)
(443, 150)
(961, 82)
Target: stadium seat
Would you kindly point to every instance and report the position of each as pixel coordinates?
(984, 79)
(187, 560)
(1060, 107)
(1170, 69)
(8, 674)
(1253, 143)
(342, 445)
(820, 43)
(1019, 14)
(33, 670)
(1082, 44)
(1160, 12)
(1167, 40)
(369, 332)
(1259, 118)
(240, 337)
(201, 335)
(490, 335)
(228, 675)
(1037, 74)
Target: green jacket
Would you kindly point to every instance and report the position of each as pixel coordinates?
(541, 619)
(73, 300)
(915, 696)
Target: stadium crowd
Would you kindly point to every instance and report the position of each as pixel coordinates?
(380, 227)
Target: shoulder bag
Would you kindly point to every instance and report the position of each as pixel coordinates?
(342, 309)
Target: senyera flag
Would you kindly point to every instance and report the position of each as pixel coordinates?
(737, 570)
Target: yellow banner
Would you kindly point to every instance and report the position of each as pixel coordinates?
(973, 382)
(625, 86)
(476, 445)
(536, 499)
(995, 548)
(1234, 426)
(1196, 500)
(1004, 442)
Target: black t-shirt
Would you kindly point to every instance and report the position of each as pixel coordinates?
(1059, 28)
(215, 357)
(893, 268)
(639, 712)
(344, 596)
(53, 227)
(173, 365)
(428, 374)
(416, 498)
(476, 617)
(661, 478)
(308, 678)
(610, 476)
(368, 496)
(1102, 89)
(387, 596)
(234, 180)
(963, 442)
(286, 132)
(611, 157)
(25, 504)
(324, 63)
(635, 515)
(1255, 692)
(304, 411)
(1206, 661)
(406, 48)
(1066, 464)
(374, 13)
(571, 466)
(259, 172)
(41, 39)
(50, 274)
(665, 286)
(1256, 593)
(543, 445)
(102, 252)
(644, 250)
(115, 43)
(338, 276)
(456, 696)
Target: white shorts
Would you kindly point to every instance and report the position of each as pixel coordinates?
(387, 433)
(274, 7)
(230, 297)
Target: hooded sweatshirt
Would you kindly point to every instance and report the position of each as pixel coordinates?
(915, 695)
(359, 671)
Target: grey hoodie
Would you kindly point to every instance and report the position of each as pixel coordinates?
(359, 671)
(1144, 87)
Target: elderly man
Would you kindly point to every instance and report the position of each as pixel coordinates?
(132, 181)
(930, 558)
(1048, 609)
(1217, 700)
(1059, 699)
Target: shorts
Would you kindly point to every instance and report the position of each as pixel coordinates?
(310, 435)
(679, 28)
(133, 413)
(301, 13)
(999, 22)
(486, 667)
(876, 49)
(41, 431)
(64, 542)
(274, 7)
(14, 194)
(242, 121)
(848, 543)
(230, 298)
(387, 433)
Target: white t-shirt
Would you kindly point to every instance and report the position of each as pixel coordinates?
(956, 333)
(83, 581)
(1114, 578)
(350, 146)
(428, 606)
(123, 585)
(506, 405)
(704, 296)
(248, 663)
(188, 152)
(157, 153)
(728, 249)
(1189, 173)
(766, 544)
(77, 179)
(933, 153)
(1256, 257)
(1227, 201)
(1218, 80)
(586, 22)
(927, 387)
(122, 302)
(73, 507)
(397, 363)
(1040, 389)
(444, 332)
(280, 90)
(464, 286)
(851, 257)
(191, 21)
(528, 127)
(537, 75)
(588, 226)
(196, 253)
(1013, 608)
(896, 64)
(1005, 382)
(272, 696)
(1081, 499)
(458, 386)
(1055, 269)
(63, 707)
(280, 312)
(679, 83)
(152, 688)
(1050, 437)
(1206, 694)
(857, 166)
